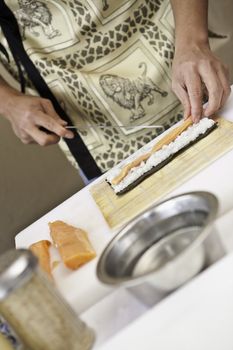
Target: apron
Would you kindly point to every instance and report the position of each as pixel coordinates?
(109, 63)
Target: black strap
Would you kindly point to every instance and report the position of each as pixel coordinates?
(76, 145)
(4, 51)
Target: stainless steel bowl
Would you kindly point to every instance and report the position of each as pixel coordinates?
(164, 245)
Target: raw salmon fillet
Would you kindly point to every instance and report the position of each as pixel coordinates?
(72, 243)
(41, 250)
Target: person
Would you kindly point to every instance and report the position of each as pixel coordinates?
(113, 66)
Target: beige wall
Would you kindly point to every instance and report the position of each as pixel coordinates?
(33, 180)
(220, 21)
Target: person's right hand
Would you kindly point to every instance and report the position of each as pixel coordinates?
(195, 67)
(31, 117)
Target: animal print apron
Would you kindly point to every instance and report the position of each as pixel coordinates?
(109, 64)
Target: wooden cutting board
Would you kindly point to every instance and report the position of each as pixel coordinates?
(118, 210)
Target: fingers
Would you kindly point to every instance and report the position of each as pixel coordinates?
(194, 90)
(191, 95)
(26, 139)
(189, 92)
(197, 70)
(182, 95)
(51, 124)
(224, 77)
(214, 89)
(42, 138)
(34, 120)
(54, 125)
(32, 135)
(49, 110)
(216, 80)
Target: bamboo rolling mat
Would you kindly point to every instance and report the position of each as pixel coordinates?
(118, 210)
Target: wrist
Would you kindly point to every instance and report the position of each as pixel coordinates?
(191, 22)
(7, 98)
(191, 43)
(193, 34)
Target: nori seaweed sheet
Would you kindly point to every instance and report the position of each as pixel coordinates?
(162, 164)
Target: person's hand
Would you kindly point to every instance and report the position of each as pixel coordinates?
(34, 120)
(196, 70)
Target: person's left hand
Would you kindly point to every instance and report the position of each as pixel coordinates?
(194, 68)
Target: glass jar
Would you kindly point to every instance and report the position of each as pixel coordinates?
(4, 343)
(32, 306)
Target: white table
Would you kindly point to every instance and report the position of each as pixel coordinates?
(198, 316)
(115, 309)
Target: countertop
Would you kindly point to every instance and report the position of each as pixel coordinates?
(111, 311)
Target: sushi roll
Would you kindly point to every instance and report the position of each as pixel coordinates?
(149, 160)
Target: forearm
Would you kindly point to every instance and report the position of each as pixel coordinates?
(7, 94)
(191, 22)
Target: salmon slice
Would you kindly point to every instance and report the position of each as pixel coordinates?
(41, 250)
(72, 243)
(170, 137)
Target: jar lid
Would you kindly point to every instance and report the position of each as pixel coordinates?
(16, 268)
